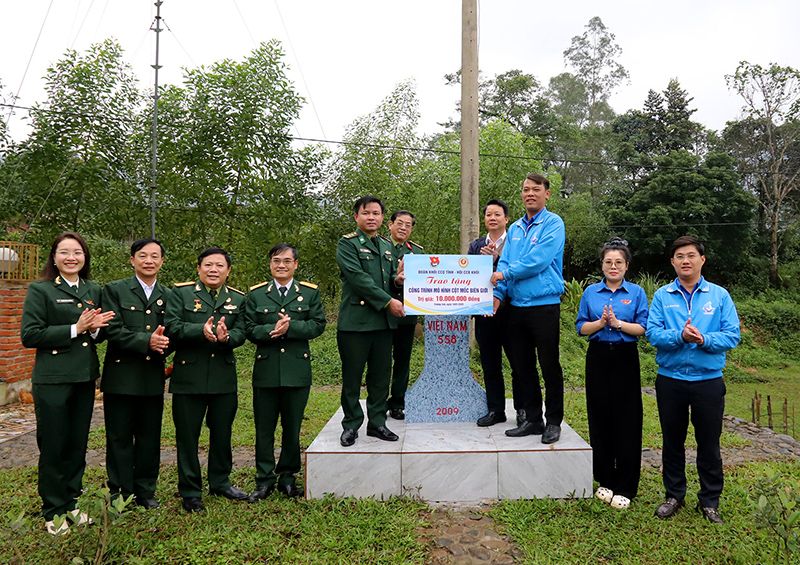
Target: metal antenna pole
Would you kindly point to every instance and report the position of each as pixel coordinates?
(154, 172)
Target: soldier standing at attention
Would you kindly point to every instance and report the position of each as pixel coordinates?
(281, 316)
(133, 375)
(400, 226)
(367, 315)
(205, 323)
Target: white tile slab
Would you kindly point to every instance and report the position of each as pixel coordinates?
(450, 476)
(543, 474)
(353, 474)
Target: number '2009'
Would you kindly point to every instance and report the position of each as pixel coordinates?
(447, 411)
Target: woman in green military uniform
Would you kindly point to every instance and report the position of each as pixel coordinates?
(280, 317)
(62, 320)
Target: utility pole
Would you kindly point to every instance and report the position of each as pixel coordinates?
(469, 123)
(154, 172)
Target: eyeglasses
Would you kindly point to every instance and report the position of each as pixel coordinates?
(618, 263)
(689, 256)
(402, 224)
(277, 261)
(64, 253)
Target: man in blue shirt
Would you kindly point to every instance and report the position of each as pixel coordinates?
(692, 324)
(529, 274)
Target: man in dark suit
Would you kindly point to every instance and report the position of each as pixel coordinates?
(491, 332)
(367, 315)
(205, 323)
(401, 226)
(133, 375)
(281, 316)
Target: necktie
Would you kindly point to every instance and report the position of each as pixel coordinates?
(282, 291)
(213, 294)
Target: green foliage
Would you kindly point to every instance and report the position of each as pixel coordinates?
(774, 322)
(573, 290)
(650, 284)
(777, 508)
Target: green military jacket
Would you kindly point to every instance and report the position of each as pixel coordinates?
(398, 250)
(130, 366)
(201, 366)
(368, 270)
(285, 360)
(51, 307)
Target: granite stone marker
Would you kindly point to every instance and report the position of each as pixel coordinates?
(446, 391)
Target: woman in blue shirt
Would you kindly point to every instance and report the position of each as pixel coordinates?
(613, 313)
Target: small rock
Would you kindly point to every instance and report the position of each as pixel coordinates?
(444, 542)
(480, 553)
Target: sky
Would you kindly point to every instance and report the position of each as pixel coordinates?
(345, 56)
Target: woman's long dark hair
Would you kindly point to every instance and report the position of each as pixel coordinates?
(50, 271)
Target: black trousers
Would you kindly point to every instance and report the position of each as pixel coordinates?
(133, 442)
(614, 410)
(63, 414)
(534, 334)
(492, 336)
(705, 401)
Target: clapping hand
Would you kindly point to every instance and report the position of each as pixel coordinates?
(158, 341)
(281, 327)
(691, 334)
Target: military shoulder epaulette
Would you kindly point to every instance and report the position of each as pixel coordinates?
(350, 235)
(236, 290)
(309, 285)
(416, 245)
(259, 285)
(184, 283)
(385, 238)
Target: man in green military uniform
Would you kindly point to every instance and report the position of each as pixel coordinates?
(281, 316)
(400, 226)
(133, 375)
(367, 315)
(205, 323)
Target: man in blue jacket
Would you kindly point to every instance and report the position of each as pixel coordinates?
(692, 324)
(529, 274)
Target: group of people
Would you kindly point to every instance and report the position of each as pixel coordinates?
(691, 322)
(65, 315)
(204, 320)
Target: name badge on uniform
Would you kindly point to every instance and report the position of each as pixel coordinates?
(65, 300)
(365, 251)
(230, 307)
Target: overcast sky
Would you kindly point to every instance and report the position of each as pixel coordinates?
(353, 52)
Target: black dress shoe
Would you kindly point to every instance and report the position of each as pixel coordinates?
(147, 502)
(710, 514)
(291, 491)
(231, 493)
(668, 508)
(193, 504)
(520, 417)
(552, 434)
(261, 492)
(397, 413)
(525, 429)
(348, 437)
(491, 419)
(383, 433)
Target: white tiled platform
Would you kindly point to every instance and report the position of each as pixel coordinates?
(448, 462)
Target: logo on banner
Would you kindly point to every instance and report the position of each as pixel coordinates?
(463, 262)
(434, 261)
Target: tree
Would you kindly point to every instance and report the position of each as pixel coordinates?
(772, 105)
(687, 195)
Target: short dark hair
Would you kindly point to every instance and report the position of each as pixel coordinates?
(214, 251)
(403, 213)
(279, 248)
(140, 243)
(538, 179)
(364, 200)
(50, 271)
(496, 202)
(685, 240)
(616, 244)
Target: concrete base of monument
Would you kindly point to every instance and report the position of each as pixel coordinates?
(448, 462)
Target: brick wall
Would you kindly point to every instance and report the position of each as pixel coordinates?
(16, 362)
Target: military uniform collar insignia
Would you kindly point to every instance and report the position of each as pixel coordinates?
(58, 279)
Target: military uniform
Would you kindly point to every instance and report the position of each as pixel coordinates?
(281, 373)
(133, 387)
(63, 385)
(203, 381)
(402, 337)
(364, 330)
